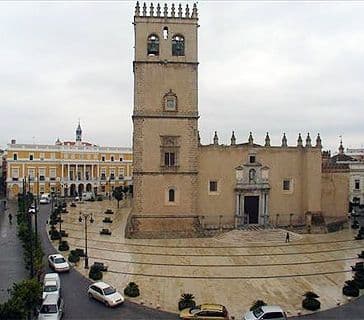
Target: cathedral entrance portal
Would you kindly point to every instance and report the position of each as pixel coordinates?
(251, 209)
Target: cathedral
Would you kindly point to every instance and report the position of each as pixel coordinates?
(182, 186)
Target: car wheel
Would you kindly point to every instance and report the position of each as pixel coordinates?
(107, 304)
(90, 295)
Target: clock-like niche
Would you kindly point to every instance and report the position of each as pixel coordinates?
(170, 101)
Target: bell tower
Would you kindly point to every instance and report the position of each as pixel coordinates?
(165, 116)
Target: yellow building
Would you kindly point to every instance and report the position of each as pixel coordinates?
(68, 168)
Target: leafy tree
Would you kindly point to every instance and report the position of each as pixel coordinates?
(118, 194)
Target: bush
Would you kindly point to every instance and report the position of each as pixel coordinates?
(257, 304)
(99, 198)
(350, 291)
(107, 220)
(55, 235)
(132, 290)
(74, 258)
(186, 301)
(95, 273)
(311, 304)
(311, 295)
(63, 246)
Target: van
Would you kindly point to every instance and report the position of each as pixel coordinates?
(51, 285)
(87, 196)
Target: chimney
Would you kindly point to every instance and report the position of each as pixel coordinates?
(13, 141)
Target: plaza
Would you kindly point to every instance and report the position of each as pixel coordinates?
(233, 269)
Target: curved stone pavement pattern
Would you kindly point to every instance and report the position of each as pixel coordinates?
(226, 269)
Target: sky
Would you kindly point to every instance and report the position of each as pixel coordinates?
(278, 67)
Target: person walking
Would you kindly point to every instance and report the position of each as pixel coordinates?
(287, 237)
(10, 218)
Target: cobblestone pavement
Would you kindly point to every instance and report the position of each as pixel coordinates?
(11, 252)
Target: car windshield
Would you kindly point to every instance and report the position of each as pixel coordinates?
(50, 288)
(195, 310)
(48, 308)
(109, 290)
(59, 260)
(258, 312)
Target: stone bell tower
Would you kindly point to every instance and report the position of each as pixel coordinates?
(165, 117)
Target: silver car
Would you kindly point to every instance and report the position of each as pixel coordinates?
(58, 263)
(52, 308)
(103, 292)
(266, 312)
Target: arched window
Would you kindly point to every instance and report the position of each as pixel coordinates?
(153, 45)
(171, 195)
(178, 45)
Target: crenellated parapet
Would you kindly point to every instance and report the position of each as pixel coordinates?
(165, 11)
(267, 142)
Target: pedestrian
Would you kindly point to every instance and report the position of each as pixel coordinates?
(4, 204)
(10, 218)
(287, 237)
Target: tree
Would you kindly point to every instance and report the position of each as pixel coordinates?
(118, 194)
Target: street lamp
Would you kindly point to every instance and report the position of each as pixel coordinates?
(85, 217)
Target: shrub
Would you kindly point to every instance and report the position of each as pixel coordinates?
(311, 295)
(186, 301)
(99, 198)
(63, 246)
(350, 291)
(95, 273)
(311, 304)
(257, 304)
(132, 290)
(55, 235)
(73, 257)
(107, 220)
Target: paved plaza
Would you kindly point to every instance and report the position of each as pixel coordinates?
(233, 269)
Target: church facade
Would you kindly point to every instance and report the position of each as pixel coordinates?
(178, 182)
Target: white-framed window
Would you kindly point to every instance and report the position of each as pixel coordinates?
(171, 195)
(213, 186)
(112, 158)
(15, 174)
(31, 156)
(287, 185)
(121, 158)
(52, 174)
(103, 158)
(112, 174)
(15, 156)
(31, 174)
(121, 173)
(103, 174)
(42, 174)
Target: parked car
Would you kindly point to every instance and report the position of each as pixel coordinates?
(205, 311)
(58, 263)
(45, 198)
(86, 196)
(52, 308)
(51, 285)
(32, 209)
(266, 312)
(105, 293)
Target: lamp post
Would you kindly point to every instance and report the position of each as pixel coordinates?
(86, 217)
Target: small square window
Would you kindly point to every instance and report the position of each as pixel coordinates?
(251, 159)
(103, 158)
(213, 186)
(31, 157)
(286, 185)
(121, 159)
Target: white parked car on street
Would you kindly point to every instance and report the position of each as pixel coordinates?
(105, 293)
(52, 308)
(266, 312)
(58, 263)
(51, 285)
(45, 198)
(32, 209)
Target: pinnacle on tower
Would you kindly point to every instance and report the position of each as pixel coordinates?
(284, 140)
(267, 140)
(165, 10)
(144, 9)
(233, 139)
(341, 147)
(299, 141)
(194, 11)
(318, 141)
(137, 9)
(79, 132)
(187, 11)
(158, 10)
(216, 139)
(180, 11)
(308, 141)
(250, 139)
(173, 11)
(151, 10)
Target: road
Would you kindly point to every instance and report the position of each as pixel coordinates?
(74, 291)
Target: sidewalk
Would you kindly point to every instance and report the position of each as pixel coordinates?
(11, 258)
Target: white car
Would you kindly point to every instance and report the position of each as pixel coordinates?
(266, 312)
(51, 285)
(58, 263)
(44, 199)
(32, 209)
(52, 308)
(105, 293)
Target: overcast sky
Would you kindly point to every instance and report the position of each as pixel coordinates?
(264, 66)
